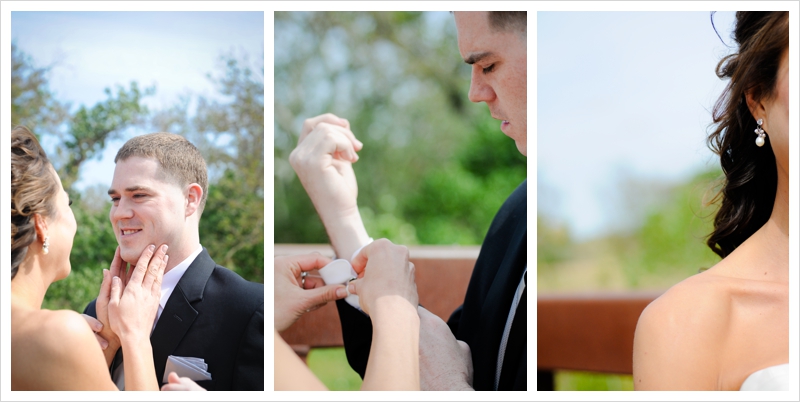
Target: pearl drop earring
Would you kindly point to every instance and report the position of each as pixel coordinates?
(760, 132)
(46, 245)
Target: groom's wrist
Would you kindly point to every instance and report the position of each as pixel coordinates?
(346, 233)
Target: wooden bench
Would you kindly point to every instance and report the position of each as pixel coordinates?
(587, 332)
(442, 275)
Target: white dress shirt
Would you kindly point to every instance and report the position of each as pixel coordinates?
(168, 283)
(507, 329)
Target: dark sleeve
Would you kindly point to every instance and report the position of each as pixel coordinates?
(357, 336)
(455, 319)
(91, 309)
(249, 367)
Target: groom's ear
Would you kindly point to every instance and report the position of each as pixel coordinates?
(194, 193)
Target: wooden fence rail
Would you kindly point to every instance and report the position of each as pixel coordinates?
(585, 331)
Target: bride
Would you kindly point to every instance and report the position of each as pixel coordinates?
(728, 327)
(56, 350)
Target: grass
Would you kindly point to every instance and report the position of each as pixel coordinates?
(331, 367)
(585, 381)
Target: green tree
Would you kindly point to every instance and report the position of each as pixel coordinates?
(432, 169)
(91, 128)
(32, 102)
(230, 135)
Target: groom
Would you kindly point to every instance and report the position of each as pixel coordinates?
(485, 346)
(206, 312)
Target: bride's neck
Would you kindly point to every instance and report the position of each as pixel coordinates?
(29, 285)
(780, 209)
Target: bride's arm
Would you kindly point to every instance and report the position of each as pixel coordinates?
(132, 311)
(394, 357)
(291, 374)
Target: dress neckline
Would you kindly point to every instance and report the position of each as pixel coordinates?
(772, 378)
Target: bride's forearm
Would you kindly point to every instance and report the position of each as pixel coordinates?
(140, 373)
(394, 357)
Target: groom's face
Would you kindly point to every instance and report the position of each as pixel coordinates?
(148, 208)
(499, 61)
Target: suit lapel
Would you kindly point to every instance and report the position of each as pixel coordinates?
(179, 314)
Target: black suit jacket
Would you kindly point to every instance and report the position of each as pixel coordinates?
(481, 319)
(216, 315)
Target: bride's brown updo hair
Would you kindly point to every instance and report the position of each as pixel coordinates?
(751, 178)
(33, 187)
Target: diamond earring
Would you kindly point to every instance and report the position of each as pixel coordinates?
(760, 132)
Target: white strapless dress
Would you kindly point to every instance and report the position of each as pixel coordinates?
(775, 378)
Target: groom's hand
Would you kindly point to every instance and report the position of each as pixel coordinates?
(323, 161)
(445, 364)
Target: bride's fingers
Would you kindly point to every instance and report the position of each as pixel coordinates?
(139, 271)
(153, 267)
(156, 286)
(116, 263)
(105, 286)
(116, 292)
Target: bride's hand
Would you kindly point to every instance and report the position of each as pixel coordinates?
(323, 161)
(383, 270)
(101, 305)
(180, 384)
(132, 306)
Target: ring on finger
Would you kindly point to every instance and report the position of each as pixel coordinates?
(303, 279)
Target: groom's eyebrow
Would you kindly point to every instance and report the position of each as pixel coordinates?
(476, 57)
(131, 189)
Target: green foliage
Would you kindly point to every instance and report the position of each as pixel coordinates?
(672, 236)
(229, 229)
(664, 247)
(434, 168)
(230, 135)
(553, 242)
(91, 128)
(32, 103)
(92, 251)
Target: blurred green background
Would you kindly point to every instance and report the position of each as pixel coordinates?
(434, 169)
(665, 246)
(232, 225)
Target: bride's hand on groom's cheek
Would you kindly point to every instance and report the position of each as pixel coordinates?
(384, 270)
(105, 333)
(132, 306)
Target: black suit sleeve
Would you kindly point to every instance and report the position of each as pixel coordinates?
(249, 368)
(91, 309)
(357, 336)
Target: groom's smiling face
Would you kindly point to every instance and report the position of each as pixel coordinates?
(147, 207)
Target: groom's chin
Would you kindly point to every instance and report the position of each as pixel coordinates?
(129, 255)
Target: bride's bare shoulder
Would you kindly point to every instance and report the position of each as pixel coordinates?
(62, 339)
(678, 334)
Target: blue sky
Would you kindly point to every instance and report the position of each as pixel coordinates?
(621, 95)
(174, 51)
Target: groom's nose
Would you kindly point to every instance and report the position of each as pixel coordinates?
(123, 210)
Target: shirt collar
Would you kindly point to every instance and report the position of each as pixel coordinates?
(171, 278)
